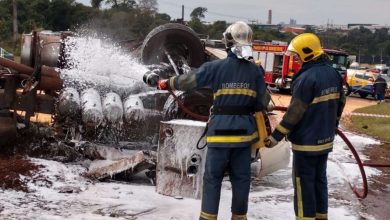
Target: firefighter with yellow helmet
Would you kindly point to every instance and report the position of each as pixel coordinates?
(310, 124)
(239, 91)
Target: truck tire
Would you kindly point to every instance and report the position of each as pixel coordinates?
(363, 94)
(179, 40)
(285, 90)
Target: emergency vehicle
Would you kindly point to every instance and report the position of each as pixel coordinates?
(280, 68)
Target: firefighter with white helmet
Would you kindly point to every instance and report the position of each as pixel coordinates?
(238, 38)
(239, 91)
(310, 124)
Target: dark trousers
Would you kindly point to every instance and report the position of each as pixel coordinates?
(310, 186)
(237, 161)
(380, 97)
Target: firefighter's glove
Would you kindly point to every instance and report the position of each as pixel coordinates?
(337, 122)
(162, 84)
(270, 142)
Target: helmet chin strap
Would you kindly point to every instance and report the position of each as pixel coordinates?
(243, 51)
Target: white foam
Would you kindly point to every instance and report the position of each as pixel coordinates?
(93, 62)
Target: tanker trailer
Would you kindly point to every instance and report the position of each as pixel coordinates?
(36, 84)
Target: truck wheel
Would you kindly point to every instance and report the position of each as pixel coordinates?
(284, 91)
(363, 94)
(178, 40)
(347, 90)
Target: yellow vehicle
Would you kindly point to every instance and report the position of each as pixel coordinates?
(362, 83)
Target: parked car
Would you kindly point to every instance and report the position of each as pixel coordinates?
(362, 83)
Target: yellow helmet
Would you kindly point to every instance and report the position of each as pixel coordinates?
(307, 46)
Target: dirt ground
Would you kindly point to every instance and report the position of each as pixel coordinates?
(378, 190)
(352, 102)
(13, 172)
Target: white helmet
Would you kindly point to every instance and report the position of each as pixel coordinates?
(238, 33)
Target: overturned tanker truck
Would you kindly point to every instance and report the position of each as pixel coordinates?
(142, 115)
(37, 86)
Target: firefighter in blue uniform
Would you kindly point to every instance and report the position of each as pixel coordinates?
(310, 124)
(239, 91)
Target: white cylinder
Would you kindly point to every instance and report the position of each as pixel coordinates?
(92, 113)
(69, 102)
(134, 109)
(113, 107)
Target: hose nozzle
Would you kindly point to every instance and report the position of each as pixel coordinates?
(151, 78)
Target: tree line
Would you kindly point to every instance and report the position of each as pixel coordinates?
(123, 20)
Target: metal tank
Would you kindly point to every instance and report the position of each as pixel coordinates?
(69, 102)
(180, 165)
(92, 112)
(113, 108)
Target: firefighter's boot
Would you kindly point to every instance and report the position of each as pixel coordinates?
(238, 217)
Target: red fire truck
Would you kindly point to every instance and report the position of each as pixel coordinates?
(280, 68)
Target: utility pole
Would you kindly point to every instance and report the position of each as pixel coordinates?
(182, 13)
(15, 20)
(359, 54)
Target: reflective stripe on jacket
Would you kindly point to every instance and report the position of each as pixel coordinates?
(316, 105)
(234, 82)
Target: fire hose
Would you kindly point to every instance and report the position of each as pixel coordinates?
(358, 193)
(186, 110)
(357, 158)
(361, 194)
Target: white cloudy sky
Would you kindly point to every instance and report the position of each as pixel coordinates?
(304, 11)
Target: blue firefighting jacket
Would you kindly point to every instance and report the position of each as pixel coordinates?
(316, 105)
(235, 83)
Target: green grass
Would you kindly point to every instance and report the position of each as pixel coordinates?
(382, 109)
(373, 126)
(11, 47)
(17, 59)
